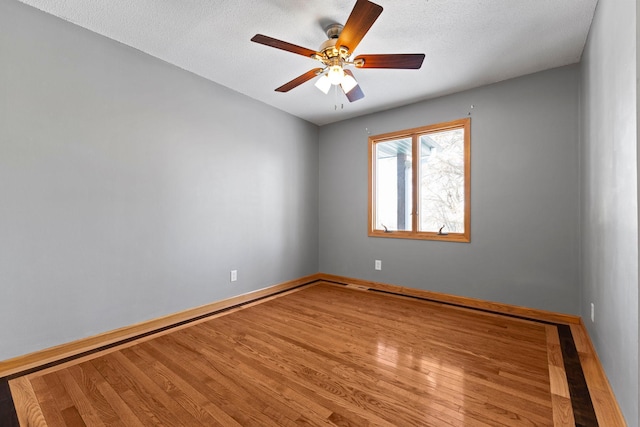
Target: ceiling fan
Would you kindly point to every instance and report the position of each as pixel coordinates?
(335, 53)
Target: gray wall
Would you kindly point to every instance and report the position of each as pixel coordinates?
(130, 188)
(609, 201)
(524, 191)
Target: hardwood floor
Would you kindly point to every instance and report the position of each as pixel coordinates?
(326, 355)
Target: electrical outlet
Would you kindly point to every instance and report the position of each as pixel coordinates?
(593, 312)
(234, 275)
(378, 265)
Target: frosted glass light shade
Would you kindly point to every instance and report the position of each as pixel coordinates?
(335, 74)
(348, 83)
(324, 84)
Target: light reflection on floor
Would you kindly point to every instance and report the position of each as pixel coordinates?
(431, 369)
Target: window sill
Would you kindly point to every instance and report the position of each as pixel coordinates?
(451, 237)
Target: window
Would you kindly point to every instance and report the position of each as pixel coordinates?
(419, 183)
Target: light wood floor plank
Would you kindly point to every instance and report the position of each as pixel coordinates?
(451, 357)
(439, 402)
(24, 396)
(325, 355)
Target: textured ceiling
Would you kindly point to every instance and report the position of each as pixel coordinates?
(467, 43)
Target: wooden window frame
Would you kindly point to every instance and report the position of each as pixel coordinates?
(414, 134)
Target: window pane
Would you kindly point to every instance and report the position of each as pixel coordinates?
(393, 185)
(442, 181)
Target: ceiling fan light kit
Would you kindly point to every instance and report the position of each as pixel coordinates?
(324, 84)
(335, 74)
(335, 53)
(348, 82)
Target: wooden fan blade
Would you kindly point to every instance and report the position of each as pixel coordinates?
(279, 44)
(362, 17)
(411, 61)
(355, 93)
(299, 80)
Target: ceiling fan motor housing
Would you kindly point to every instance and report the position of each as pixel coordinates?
(333, 31)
